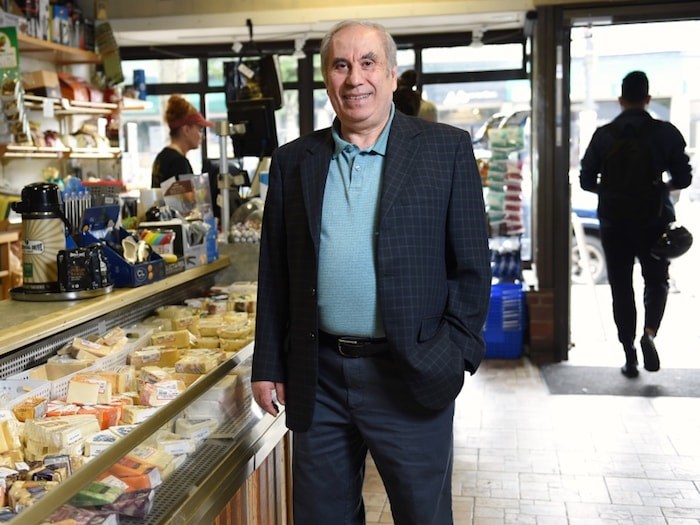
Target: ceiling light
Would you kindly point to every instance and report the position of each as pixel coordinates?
(236, 47)
(477, 38)
(299, 48)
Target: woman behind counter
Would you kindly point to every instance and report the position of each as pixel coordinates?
(186, 131)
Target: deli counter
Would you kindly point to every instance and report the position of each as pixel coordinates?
(238, 471)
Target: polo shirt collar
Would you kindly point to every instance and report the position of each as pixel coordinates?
(378, 147)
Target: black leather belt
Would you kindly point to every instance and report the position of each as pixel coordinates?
(349, 346)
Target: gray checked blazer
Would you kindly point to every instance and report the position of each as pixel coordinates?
(433, 269)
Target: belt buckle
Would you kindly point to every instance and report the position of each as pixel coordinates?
(344, 341)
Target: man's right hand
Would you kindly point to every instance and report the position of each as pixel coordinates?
(267, 394)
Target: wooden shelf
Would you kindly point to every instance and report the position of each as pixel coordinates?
(65, 107)
(56, 53)
(12, 151)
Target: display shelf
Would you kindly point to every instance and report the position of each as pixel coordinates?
(13, 151)
(55, 53)
(212, 473)
(64, 107)
(45, 319)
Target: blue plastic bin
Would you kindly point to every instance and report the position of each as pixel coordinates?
(505, 323)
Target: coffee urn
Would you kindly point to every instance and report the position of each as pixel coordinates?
(44, 228)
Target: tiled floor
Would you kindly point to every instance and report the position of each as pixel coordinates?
(523, 456)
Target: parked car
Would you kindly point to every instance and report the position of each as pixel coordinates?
(596, 257)
(584, 204)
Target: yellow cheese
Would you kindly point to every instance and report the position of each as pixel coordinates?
(196, 363)
(60, 366)
(177, 338)
(161, 393)
(78, 393)
(133, 414)
(91, 347)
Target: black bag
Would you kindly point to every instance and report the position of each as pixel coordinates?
(630, 188)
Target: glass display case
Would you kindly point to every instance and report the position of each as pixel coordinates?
(235, 460)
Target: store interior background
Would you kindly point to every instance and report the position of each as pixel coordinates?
(601, 54)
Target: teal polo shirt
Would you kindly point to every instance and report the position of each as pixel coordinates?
(347, 281)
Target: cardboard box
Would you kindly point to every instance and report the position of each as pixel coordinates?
(41, 83)
(72, 88)
(123, 273)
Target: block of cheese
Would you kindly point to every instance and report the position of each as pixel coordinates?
(235, 331)
(135, 504)
(136, 474)
(9, 431)
(91, 347)
(58, 407)
(122, 430)
(209, 326)
(169, 356)
(96, 494)
(108, 415)
(153, 456)
(175, 444)
(133, 414)
(23, 494)
(99, 442)
(177, 338)
(37, 450)
(148, 355)
(32, 408)
(188, 379)
(60, 432)
(153, 374)
(208, 342)
(161, 393)
(81, 389)
(71, 515)
(175, 311)
(197, 429)
(233, 345)
(186, 322)
(116, 338)
(62, 365)
(122, 379)
(198, 363)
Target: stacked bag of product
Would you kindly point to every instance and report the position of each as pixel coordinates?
(504, 182)
(44, 439)
(14, 122)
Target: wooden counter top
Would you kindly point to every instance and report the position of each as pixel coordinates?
(24, 322)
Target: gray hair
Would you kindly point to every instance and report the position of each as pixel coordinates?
(389, 43)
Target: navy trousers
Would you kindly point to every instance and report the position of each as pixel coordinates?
(362, 405)
(623, 244)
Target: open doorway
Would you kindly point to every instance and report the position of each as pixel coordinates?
(600, 57)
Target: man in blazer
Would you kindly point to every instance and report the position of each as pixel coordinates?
(373, 290)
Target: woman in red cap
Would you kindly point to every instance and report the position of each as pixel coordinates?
(186, 131)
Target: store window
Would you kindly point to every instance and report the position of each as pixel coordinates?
(473, 58)
(168, 71)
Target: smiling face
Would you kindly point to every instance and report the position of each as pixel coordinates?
(360, 82)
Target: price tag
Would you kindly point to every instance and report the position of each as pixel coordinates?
(48, 108)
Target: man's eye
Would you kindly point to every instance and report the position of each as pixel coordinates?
(367, 64)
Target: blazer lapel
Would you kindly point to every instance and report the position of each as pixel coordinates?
(402, 148)
(313, 173)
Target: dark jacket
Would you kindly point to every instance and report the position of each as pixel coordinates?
(432, 264)
(667, 148)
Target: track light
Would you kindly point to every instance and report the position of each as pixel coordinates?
(299, 48)
(477, 38)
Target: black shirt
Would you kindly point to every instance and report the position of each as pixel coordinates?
(169, 163)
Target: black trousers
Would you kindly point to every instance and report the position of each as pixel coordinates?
(363, 405)
(622, 244)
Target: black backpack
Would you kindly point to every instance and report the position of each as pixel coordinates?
(630, 188)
